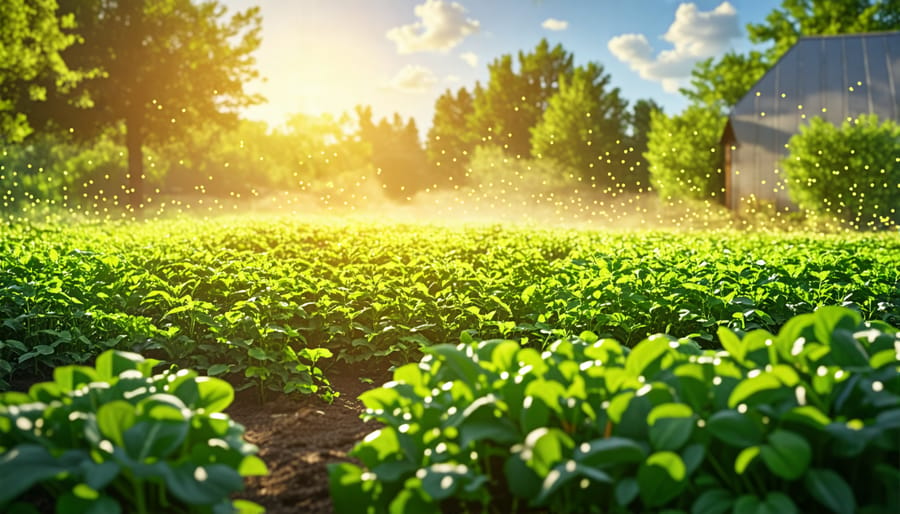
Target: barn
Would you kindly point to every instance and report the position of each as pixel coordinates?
(833, 77)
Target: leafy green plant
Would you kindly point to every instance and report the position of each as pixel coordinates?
(117, 438)
(805, 420)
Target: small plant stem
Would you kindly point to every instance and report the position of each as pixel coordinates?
(139, 499)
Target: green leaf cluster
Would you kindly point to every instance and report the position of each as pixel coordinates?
(802, 421)
(116, 437)
(850, 172)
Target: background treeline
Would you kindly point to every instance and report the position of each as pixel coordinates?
(110, 104)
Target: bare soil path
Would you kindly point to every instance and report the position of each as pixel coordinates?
(299, 435)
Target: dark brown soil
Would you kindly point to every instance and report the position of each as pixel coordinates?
(298, 435)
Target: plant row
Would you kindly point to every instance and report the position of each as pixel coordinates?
(271, 302)
(116, 438)
(807, 420)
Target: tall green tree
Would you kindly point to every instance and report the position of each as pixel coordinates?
(167, 66)
(450, 145)
(515, 98)
(636, 176)
(32, 39)
(583, 126)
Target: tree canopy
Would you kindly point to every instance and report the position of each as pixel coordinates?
(514, 99)
(31, 42)
(165, 67)
(583, 126)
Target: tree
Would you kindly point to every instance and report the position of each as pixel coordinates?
(166, 67)
(31, 42)
(636, 176)
(719, 85)
(784, 26)
(683, 153)
(583, 126)
(514, 101)
(397, 154)
(449, 146)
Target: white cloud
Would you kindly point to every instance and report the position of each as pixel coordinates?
(452, 79)
(442, 26)
(470, 58)
(413, 79)
(554, 24)
(695, 35)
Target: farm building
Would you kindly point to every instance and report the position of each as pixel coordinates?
(833, 77)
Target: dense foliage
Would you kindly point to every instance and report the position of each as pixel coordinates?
(804, 421)
(271, 302)
(851, 172)
(116, 438)
(31, 43)
(684, 156)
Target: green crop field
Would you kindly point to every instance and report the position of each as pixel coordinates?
(270, 302)
(527, 373)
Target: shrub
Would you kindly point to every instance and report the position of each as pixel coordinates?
(805, 421)
(682, 154)
(851, 172)
(116, 438)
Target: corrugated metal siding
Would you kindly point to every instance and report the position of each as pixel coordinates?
(833, 77)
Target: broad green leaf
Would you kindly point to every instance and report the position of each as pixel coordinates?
(527, 293)
(69, 378)
(214, 394)
(786, 454)
(202, 485)
(25, 466)
(114, 418)
(731, 343)
(829, 319)
(379, 446)
(713, 501)
(830, 490)
(546, 447)
(627, 489)
(464, 368)
(252, 466)
(662, 477)
(113, 362)
(745, 458)
(735, 429)
(523, 481)
(762, 388)
(218, 369)
(564, 473)
(407, 501)
(606, 452)
(671, 433)
(646, 358)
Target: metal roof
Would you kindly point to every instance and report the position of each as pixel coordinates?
(832, 77)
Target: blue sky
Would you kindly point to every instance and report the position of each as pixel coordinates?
(326, 56)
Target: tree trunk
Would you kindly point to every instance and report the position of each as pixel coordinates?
(134, 143)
